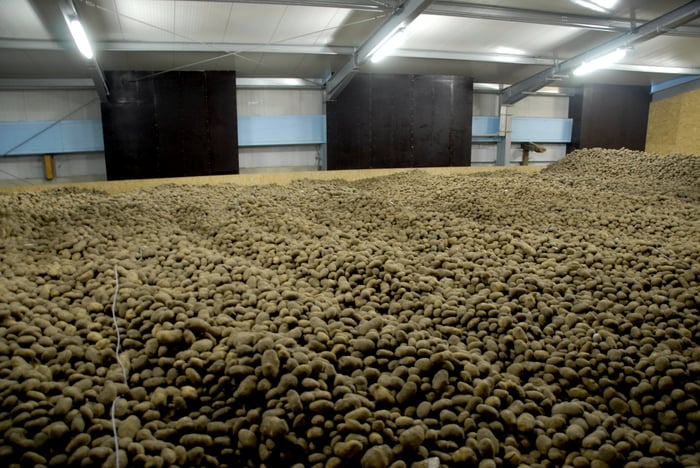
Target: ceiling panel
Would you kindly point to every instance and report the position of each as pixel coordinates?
(356, 27)
(202, 21)
(253, 23)
(666, 51)
(643, 9)
(101, 20)
(335, 24)
(306, 25)
(431, 32)
(20, 21)
(152, 20)
(172, 23)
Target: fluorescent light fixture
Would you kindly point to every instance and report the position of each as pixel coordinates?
(601, 62)
(389, 45)
(80, 38)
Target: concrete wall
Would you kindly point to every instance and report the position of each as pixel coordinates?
(48, 105)
(674, 124)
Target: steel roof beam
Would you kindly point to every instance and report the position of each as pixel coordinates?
(402, 16)
(488, 12)
(215, 48)
(647, 31)
(521, 15)
(243, 48)
(362, 5)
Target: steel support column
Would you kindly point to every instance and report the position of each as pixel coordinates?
(505, 121)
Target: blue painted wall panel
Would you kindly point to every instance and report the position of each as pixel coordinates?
(281, 130)
(535, 129)
(68, 136)
(484, 125)
(541, 130)
(77, 136)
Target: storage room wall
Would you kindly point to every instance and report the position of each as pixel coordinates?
(674, 124)
(484, 154)
(47, 106)
(279, 102)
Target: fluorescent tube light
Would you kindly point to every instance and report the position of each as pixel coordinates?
(389, 45)
(80, 38)
(601, 62)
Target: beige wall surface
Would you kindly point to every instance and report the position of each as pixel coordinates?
(674, 124)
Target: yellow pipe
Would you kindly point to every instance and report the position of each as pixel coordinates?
(48, 166)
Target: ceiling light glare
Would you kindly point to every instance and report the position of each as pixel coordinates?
(509, 51)
(601, 62)
(80, 38)
(607, 4)
(591, 6)
(389, 45)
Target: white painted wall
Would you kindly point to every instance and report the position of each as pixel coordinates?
(33, 105)
(270, 102)
(278, 159)
(556, 107)
(485, 104)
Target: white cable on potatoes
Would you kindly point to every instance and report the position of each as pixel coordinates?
(121, 365)
(116, 327)
(116, 436)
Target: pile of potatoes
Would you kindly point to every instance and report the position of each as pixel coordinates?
(500, 319)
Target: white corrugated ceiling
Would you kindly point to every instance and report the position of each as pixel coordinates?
(494, 40)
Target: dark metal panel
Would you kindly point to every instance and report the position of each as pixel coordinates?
(170, 125)
(401, 121)
(129, 127)
(167, 99)
(391, 119)
(223, 130)
(611, 116)
(196, 151)
(349, 127)
(443, 129)
(575, 113)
